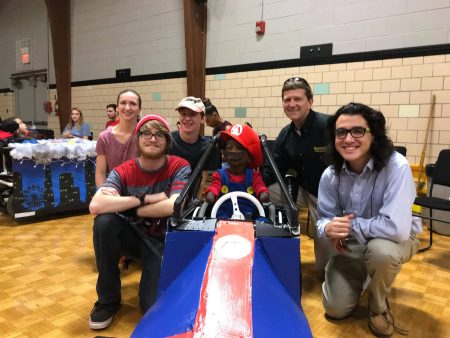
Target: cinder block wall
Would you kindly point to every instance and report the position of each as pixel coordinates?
(7, 105)
(400, 88)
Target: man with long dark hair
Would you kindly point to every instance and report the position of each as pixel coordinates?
(364, 208)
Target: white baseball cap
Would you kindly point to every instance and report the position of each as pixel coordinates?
(192, 103)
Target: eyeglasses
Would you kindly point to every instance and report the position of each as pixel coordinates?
(296, 79)
(148, 135)
(356, 132)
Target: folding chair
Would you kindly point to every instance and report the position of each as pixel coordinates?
(441, 176)
(401, 150)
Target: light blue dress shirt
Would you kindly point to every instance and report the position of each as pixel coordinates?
(85, 130)
(381, 201)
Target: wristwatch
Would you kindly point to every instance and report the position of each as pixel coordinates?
(141, 199)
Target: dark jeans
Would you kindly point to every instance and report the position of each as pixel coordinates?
(113, 237)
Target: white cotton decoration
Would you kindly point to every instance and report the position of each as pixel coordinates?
(45, 151)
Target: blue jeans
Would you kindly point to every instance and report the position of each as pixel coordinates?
(113, 237)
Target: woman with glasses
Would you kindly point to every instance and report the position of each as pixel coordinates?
(364, 207)
(300, 148)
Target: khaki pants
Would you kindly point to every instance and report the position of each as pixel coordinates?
(345, 274)
(322, 247)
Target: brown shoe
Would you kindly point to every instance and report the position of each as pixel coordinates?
(381, 324)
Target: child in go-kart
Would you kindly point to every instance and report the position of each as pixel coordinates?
(243, 154)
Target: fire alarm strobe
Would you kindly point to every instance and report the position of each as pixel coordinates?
(260, 27)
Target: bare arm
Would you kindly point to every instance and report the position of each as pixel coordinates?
(66, 134)
(108, 200)
(154, 198)
(100, 170)
(104, 202)
(202, 186)
(162, 208)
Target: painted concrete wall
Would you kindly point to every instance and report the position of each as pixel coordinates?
(400, 88)
(148, 35)
(351, 25)
(19, 20)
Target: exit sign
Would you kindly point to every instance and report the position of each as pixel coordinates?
(24, 57)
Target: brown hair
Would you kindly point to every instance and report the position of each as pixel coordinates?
(80, 122)
(297, 83)
(209, 107)
(159, 127)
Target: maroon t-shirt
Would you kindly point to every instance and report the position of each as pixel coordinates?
(116, 153)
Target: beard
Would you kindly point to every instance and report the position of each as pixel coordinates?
(153, 156)
(156, 154)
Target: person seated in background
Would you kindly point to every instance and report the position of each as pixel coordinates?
(243, 154)
(113, 115)
(76, 126)
(19, 129)
(7, 130)
(213, 119)
(22, 131)
(364, 207)
(13, 130)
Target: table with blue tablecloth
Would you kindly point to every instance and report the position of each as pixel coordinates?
(51, 176)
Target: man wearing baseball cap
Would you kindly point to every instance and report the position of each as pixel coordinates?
(243, 154)
(132, 209)
(187, 141)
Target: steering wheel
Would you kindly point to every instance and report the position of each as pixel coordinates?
(237, 214)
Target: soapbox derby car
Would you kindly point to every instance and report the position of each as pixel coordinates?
(232, 277)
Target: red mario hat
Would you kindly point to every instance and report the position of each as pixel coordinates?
(249, 139)
(151, 117)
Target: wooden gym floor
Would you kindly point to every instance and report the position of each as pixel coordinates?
(48, 275)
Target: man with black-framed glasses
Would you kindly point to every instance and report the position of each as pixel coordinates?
(300, 146)
(132, 209)
(364, 206)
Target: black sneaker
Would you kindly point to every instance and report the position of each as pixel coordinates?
(102, 315)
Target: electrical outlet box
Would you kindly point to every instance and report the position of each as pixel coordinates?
(316, 51)
(123, 74)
